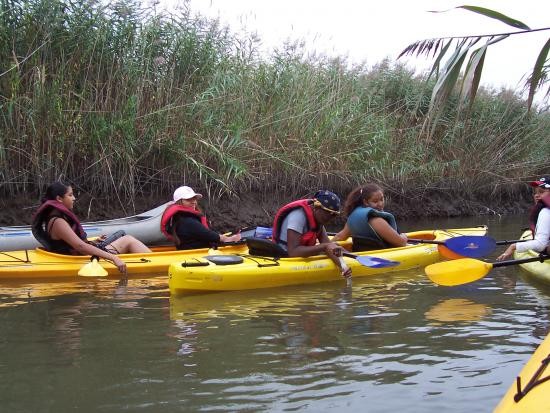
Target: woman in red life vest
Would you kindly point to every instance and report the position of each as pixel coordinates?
(539, 221)
(299, 225)
(56, 226)
(185, 224)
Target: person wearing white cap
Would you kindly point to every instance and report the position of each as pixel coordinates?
(184, 223)
(539, 221)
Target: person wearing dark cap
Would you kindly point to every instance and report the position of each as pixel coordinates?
(300, 224)
(184, 223)
(539, 221)
(368, 224)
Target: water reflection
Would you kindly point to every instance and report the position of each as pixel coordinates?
(64, 307)
(386, 343)
(357, 342)
(457, 309)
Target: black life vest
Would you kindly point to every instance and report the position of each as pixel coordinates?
(51, 209)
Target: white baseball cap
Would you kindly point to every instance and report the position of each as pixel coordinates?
(185, 192)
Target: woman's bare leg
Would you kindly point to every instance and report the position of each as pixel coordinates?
(128, 245)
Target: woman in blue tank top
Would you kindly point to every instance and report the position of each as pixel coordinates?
(368, 224)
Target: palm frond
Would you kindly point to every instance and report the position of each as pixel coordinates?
(497, 16)
(540, 73)
(449, 76)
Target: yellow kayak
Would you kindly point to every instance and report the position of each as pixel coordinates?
(539, 271)
(41, 264)
(252, 271)
(533, 394)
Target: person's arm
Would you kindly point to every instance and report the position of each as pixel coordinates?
(334, 252)
(60, 229)
(387, 233)
(331, 249)
(296, 250)
(542, 234)
(540, 241)
(323, 237)
(230, 238)
(190, 228)
(343, 235)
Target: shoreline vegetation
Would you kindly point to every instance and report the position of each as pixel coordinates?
(129, 103)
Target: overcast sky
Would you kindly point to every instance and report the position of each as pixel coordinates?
(367, 31)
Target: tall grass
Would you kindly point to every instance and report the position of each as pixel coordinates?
(128, 102)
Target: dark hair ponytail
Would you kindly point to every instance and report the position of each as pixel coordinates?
(54, 190)
(358, 195)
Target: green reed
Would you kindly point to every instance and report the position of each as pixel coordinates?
(127, 102)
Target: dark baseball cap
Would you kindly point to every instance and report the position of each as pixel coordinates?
(543, 182)
(328, 201)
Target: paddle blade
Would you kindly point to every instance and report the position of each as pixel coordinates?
(375, 262)
(457, 272)
(471, 246)
(92, 269)
(447, 253)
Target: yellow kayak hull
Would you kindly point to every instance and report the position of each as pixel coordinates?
(191, 276)
(539, 271)
(44, 265)
(536, 399)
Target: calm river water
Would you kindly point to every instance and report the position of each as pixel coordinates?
(388, 343)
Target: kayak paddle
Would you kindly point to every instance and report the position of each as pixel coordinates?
(467, 270)
(372, 262)
(472, 246)
(92, 269)
(511, 241)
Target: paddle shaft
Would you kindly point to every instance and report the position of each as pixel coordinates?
(420, 241)
(426, 241)
(508, 242)
(349, 255)
(503, 242)
(520, 261)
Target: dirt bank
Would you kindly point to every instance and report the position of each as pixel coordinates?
(230, 213)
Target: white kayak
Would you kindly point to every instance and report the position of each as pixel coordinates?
(144, 226)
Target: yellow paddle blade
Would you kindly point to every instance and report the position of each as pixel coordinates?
(456, 272)
(92, 269)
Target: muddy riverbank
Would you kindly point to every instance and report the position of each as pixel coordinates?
(230, 213)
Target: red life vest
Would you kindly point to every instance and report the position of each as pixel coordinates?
(535, 211)
(167, 221)
(308, 238)
(40, 221)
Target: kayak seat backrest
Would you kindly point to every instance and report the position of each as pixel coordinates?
(39, 234)
(265, 248)
(367, 244)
